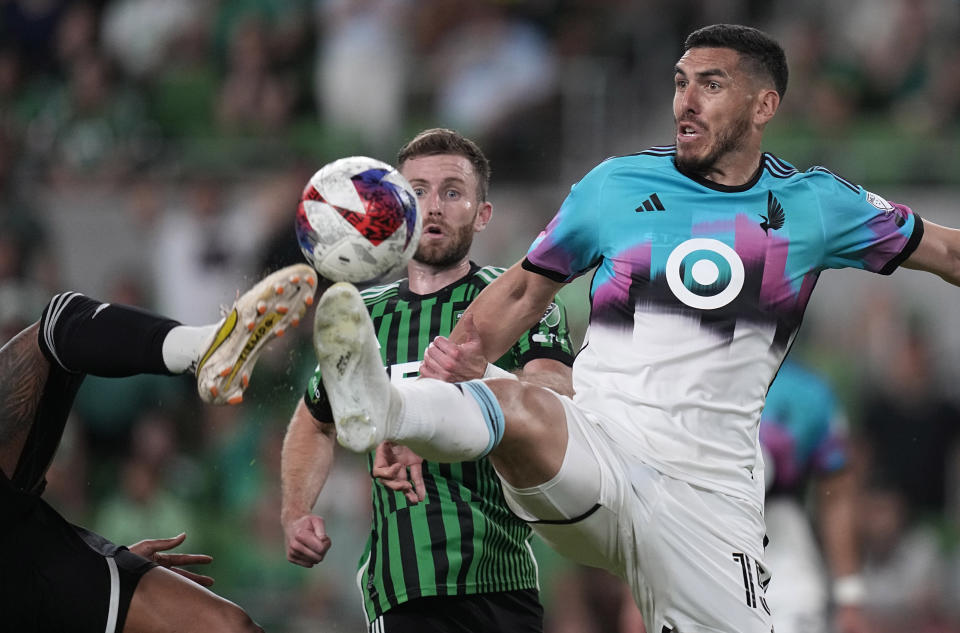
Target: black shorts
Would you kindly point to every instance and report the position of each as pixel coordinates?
(56, 576)
(514, 611)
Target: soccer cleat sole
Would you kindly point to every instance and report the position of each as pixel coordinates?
(353, 375)
(261, 314)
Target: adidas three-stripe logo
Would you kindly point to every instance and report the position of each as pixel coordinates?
(651, 203)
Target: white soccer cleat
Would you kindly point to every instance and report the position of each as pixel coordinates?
(265, 311)
(357, 385)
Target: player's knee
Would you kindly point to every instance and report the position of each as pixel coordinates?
(531, 413)
(534, 438)
(231, 618)
(219, 615)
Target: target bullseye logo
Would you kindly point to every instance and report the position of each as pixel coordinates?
(705, 273)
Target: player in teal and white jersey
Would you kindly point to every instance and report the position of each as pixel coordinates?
(804, 436)
(706, 253)
(445, 554)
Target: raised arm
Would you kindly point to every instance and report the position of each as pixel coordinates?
(938, 252)
(506, 308)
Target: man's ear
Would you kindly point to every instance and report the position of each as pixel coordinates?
(484, 213)
(767, 106)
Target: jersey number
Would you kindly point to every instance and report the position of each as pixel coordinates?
(748, 566)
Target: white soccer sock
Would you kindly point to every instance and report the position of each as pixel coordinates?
(184, 344)
(444, 422)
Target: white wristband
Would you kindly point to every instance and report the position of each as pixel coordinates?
(492, 371)
(849, 590)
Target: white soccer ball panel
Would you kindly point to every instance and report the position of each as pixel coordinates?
(334, 184)
(351, 261)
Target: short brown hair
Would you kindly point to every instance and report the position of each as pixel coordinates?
(445, 141)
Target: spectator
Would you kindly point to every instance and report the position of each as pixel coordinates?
(254, 97)
(146, 499)
(903, 568)
(910, 427)
(202, 250)
(139, 50)
(491, 67)
(93, 127)
(362, 69)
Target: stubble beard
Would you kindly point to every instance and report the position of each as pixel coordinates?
(445, 256)
(728, 140)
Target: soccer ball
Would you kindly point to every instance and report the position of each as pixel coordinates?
(358, 220)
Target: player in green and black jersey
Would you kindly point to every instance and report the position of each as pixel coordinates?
(462, 539)
(458, 558)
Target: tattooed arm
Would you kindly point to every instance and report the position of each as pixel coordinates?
(23, 373)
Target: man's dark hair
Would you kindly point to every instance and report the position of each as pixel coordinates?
(760, 51)
(443, 141)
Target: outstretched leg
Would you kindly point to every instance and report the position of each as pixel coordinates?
(85, 336)
(92, 580)
(77, 335)
(521, 427)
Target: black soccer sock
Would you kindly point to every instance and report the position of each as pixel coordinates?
(83, 335)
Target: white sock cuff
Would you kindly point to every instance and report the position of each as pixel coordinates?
(184, 344)
(489, 409)
(443, 422)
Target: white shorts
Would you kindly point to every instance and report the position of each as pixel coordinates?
(798, 594)
(693, 557)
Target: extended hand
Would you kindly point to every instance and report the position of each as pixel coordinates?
(307, 540)
(455, 362)
(400, 469)
(151, 548)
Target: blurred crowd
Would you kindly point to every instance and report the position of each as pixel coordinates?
(152, 152)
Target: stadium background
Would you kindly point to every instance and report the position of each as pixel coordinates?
(152, 152)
